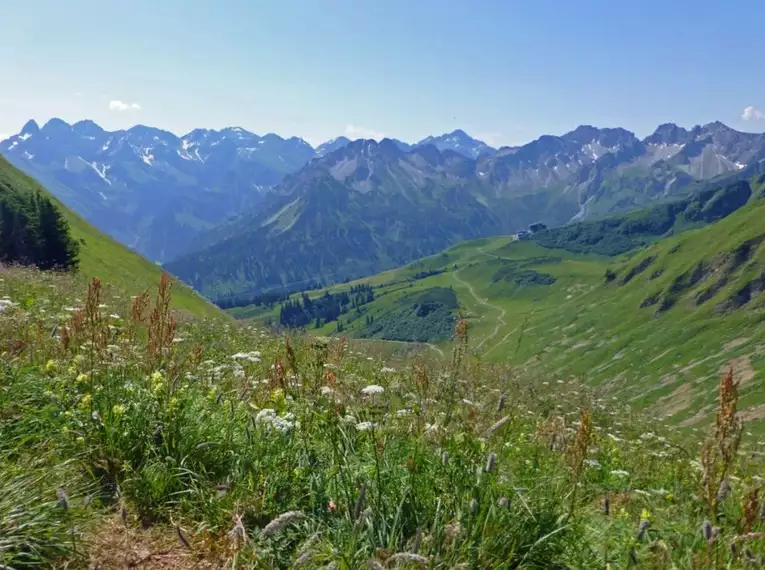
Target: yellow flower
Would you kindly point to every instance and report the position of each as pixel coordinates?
(669, 496)
(645, 515)
(87, 399)
(118, 410)
(82, 378)
(50, 366)
(157, 382)
(278, 398)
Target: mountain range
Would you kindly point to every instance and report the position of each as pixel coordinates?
(234, 213)
(155, 191)
(371, 206)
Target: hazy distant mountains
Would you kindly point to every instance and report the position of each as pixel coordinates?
(346, 209)
(369, 206)
(153, 190)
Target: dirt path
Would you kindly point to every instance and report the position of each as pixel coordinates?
(485, 302)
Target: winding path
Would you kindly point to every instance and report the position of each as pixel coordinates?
(485, 302)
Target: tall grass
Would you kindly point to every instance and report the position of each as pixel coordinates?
(253, 450)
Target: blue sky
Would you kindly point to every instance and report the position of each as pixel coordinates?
(504, 70)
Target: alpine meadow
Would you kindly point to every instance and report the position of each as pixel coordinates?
(382, 285)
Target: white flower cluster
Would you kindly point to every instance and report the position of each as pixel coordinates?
(373, 389)
(6, 303)
(253, 356)
(268, 418)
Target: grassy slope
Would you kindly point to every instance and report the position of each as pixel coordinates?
(581, 325)
(103, 257)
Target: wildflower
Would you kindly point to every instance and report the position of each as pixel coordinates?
(387, 370)
(268, 418)
(253, 356)
(326, 390)
(118, 410)
(365, 426)
(157, 382)
(283, 520)
(50, 366)
(359, 502)
(332, 506)
(372, 389)
(306, 552)
(592, 463)
(82, 378)
(706, 530)
(620, 473)
(408, 557)
(473, 507)
(63, 498)
(642, 528)
(498, 425)
(723, 491)
(646, 515)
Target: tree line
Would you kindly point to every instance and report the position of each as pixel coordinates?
(302, 311)
(33, 232)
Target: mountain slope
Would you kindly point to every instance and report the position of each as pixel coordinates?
(652, 327)
(362, 209)
(460, 142)
(370, 206)
(146, 187)
(101, 256)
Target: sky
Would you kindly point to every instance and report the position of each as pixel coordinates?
(505, 71)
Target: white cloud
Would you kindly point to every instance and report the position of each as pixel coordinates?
(358, 132)
(117, 105)
(752, 114)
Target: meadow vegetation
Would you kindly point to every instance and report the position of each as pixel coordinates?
(133, 436)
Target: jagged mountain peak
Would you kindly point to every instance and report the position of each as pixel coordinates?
(56, 125)
(87, 128)
(332, 145)
(458, 141)
(668, 133)
(30, 128)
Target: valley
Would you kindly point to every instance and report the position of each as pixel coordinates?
(605, 319)
(382, 285)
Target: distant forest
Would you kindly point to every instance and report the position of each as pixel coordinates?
(303, 311)
(33, 232)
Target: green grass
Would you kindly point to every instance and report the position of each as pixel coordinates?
(104, 258)
(645, 337)
(239, 449)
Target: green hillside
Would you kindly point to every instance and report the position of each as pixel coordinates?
(610, 320)
(100, 256)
